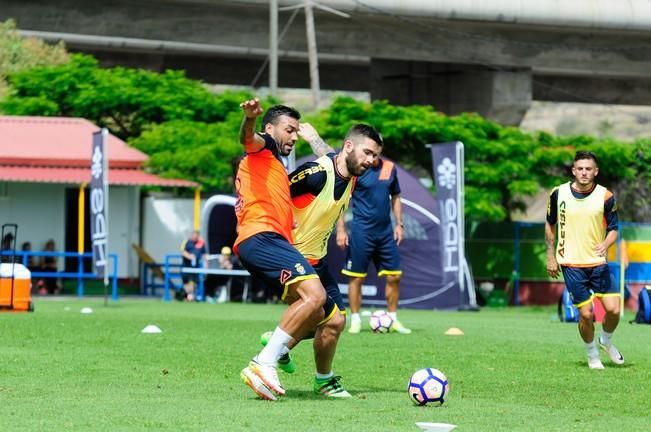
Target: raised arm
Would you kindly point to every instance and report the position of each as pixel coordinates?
(251, 141)
(309, 134)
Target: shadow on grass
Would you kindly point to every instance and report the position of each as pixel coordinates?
(358, 393)
(607, 365)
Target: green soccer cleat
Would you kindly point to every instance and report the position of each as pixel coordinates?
(330, 387)
(397, 327)
(355, 327)
(285, 362)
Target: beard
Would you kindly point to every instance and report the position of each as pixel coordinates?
(284, 150)
(353, 167)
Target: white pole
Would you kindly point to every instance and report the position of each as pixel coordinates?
(106, 210)
(460, 214)
(312, 54)
(273, 47)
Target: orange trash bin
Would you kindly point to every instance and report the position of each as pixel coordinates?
(18, 297)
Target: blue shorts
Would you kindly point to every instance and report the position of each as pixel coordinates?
(584, 282)
(364, 246)
(330, 284)
(273, 259)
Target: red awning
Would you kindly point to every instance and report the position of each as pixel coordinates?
(130, 177)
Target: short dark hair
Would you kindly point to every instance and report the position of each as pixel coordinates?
(275, 112)
(584, 154)
(365, 130)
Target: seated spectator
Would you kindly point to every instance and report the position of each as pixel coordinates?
(230, 285)
(30, 261)
(49, 264)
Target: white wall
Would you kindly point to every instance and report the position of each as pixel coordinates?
(166, 224)
(124, 227)
(39, 210)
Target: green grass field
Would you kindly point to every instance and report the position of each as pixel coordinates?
(514, 370)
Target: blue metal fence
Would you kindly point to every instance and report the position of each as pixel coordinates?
(80, 275)
(173, 269)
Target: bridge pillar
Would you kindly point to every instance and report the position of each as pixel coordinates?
(502, 95)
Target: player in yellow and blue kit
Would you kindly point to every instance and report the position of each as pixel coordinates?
(581, 225)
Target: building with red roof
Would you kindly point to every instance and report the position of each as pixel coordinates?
(45, 162)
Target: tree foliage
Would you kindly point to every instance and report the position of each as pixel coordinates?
(191, 133)
(504, 165)
(188, 131)
(124, 100)
(498, 166)
(18, 53)
(196, 151)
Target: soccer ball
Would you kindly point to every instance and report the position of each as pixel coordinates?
(380, 322)
(428, 387)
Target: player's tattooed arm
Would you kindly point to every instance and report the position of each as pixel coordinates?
(309, 134)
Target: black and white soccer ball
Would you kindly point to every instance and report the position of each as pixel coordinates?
(428, 386)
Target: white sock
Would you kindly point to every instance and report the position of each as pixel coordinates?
(355, 318)
(605, 337)
(321, 376)
(393, 315)
(591, 348)
(274, 349)
(284, 351)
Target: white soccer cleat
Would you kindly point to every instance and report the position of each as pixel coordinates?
(255, 383)
(355, 327)
(612, 352)
(595, 363)
(268, 375)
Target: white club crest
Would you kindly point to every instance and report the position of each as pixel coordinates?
(96, 166)
(447, 173)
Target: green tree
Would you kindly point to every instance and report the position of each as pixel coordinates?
(191, 133)
(498, 163)
(123, 100)
(196, 151)
(503, 164)
(18, 53)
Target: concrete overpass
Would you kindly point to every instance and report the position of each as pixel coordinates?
(489, 56)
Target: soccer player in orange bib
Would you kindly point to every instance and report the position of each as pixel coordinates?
(583, 215)
(264, 239)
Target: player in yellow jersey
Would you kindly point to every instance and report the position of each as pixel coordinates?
(321, 191)
(581, 225)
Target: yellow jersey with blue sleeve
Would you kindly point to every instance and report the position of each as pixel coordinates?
(319, 195)
(582, 220)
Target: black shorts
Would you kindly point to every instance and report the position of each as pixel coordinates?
(273, 259)
(330, 284)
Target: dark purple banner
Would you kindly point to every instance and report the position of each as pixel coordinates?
(99, 203)
(431, 248)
